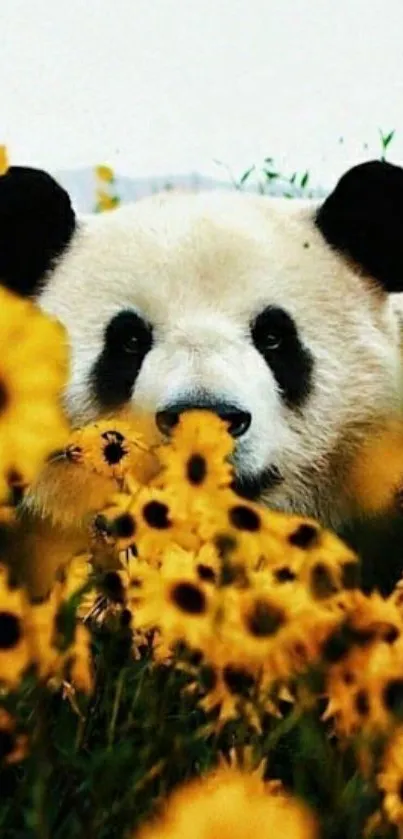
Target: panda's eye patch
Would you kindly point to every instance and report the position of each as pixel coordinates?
(127, 340)
(272, 328)
(128, 333)
(276, 338)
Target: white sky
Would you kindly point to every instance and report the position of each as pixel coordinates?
(162, 86)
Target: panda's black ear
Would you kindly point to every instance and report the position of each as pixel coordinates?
(37, 222)
(363, 218)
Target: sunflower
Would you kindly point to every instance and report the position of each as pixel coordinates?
(105, 201)
(374, 480)
(278, 629)
(116, 449)
(239, 528)
(207, 563)
(152, 520)
(318, 559)
(230, 689)
(104, 173)
(284, 547)
(231, 804)
(13, 745)
(173, 600)
(196, 460)
(363, 658)
(364, 687)
(58, 642)
(33, 371)
(390, 779)
(14, 649)
(75, 576)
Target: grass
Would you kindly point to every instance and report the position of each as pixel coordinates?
(99, 769)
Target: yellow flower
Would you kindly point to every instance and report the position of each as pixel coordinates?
(4, 164)
(231, 804)
(365, 688)
(390, 778)
(196, 459)
(33, 371)
(239, 529)
(374, 480)
(284, 547)
(41, 630)
(13, 746)
(58, 650)
(105, 173)
(114, 449)
(173, 600)
(14, 649)
(106, 202)
(152, 520)
(277, 629)
(74, 576)
(229, 689)
(318, 559)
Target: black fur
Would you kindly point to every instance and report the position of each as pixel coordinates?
(275, 336)
(363, 218)
(37, 223)
(238, 420)
(253, 487)
(128, 339)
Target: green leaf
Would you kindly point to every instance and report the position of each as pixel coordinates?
(246, 175)
(386, 139)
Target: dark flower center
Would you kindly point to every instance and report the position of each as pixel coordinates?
(196, 469)
(305, 536)
(189, 598)
(10, 630)
(205, 572)
(124, 526)
(284, 575)
(244, 518)
(264, 619)
(393, 696)
(238, 681)
(113, 453)
(322, 584)
(156, 514)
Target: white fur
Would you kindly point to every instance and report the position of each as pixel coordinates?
(199, 268)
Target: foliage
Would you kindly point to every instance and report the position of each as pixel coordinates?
(193, 632)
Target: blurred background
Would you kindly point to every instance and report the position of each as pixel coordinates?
(200, 92)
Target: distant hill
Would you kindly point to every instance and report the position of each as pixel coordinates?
(81, 186)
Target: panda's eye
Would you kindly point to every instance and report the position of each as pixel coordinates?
(271, 329)
(127, 340)
(128, 333)
(270, 342)
(276, 337)
(131, 344)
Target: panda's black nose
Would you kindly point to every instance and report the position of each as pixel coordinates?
(238, 421)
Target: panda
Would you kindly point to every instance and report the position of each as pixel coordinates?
(282, 316)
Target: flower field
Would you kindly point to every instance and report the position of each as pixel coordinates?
(176, 660)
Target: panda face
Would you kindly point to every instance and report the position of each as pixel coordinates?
(236, 304)
(253, 307)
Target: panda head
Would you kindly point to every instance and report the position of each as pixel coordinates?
(278, 315)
